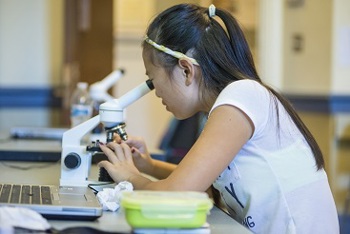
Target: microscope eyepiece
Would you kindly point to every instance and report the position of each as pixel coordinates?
(150, 84)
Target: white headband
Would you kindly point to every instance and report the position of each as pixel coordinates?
(212, 11)
(171, 52)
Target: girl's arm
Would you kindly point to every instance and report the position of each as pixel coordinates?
(224, 134)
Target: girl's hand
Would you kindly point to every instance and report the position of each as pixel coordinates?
(140, 154)
(120, 165)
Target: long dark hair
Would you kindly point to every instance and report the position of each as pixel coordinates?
(221, 50)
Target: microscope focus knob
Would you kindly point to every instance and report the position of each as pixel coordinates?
(72, 161)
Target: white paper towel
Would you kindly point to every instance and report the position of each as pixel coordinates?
(11, 217)
(110, 197)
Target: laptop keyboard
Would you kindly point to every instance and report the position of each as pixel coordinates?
(25, 194)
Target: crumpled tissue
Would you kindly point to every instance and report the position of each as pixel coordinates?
(21, 217)
(110, 197)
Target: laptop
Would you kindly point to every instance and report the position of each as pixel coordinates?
(32, 144)
(42, 133)
(53, 202)
(34, 150)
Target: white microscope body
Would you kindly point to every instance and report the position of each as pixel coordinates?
(76, 158)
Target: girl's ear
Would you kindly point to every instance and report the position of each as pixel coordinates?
(188, 70)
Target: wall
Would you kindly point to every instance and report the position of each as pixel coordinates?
(307, 47)
(30, 54)
(340, 84)
(270, 42)
(26, 48)
(340, 70)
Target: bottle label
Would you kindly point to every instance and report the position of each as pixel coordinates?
(81, 110)
(80, 114)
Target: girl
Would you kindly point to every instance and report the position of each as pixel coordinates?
(254, 149)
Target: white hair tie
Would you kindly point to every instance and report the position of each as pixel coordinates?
(212, 11)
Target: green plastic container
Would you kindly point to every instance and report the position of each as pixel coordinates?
(155, 209)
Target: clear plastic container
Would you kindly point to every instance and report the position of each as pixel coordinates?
(81, 105)
(155, 209)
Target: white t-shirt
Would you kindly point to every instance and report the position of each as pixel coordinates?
(273, 185)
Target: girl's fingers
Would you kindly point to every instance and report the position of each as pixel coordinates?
(135, 152)
(116, 138)
(109, 153)
(121, 152)
(118, 150)
(105, 164)
(127, 151)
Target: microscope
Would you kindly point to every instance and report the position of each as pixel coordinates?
(76, 158)
(98, 90)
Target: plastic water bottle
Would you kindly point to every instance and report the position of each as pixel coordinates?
(81, 105)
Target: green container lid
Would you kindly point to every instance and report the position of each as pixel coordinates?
(168, 209)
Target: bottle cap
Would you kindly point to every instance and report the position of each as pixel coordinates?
(82, 85)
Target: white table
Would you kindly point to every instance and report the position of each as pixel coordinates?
(49, 173)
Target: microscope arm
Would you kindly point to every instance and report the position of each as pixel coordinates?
(98, 90)
(74, 135)
(75, 160)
